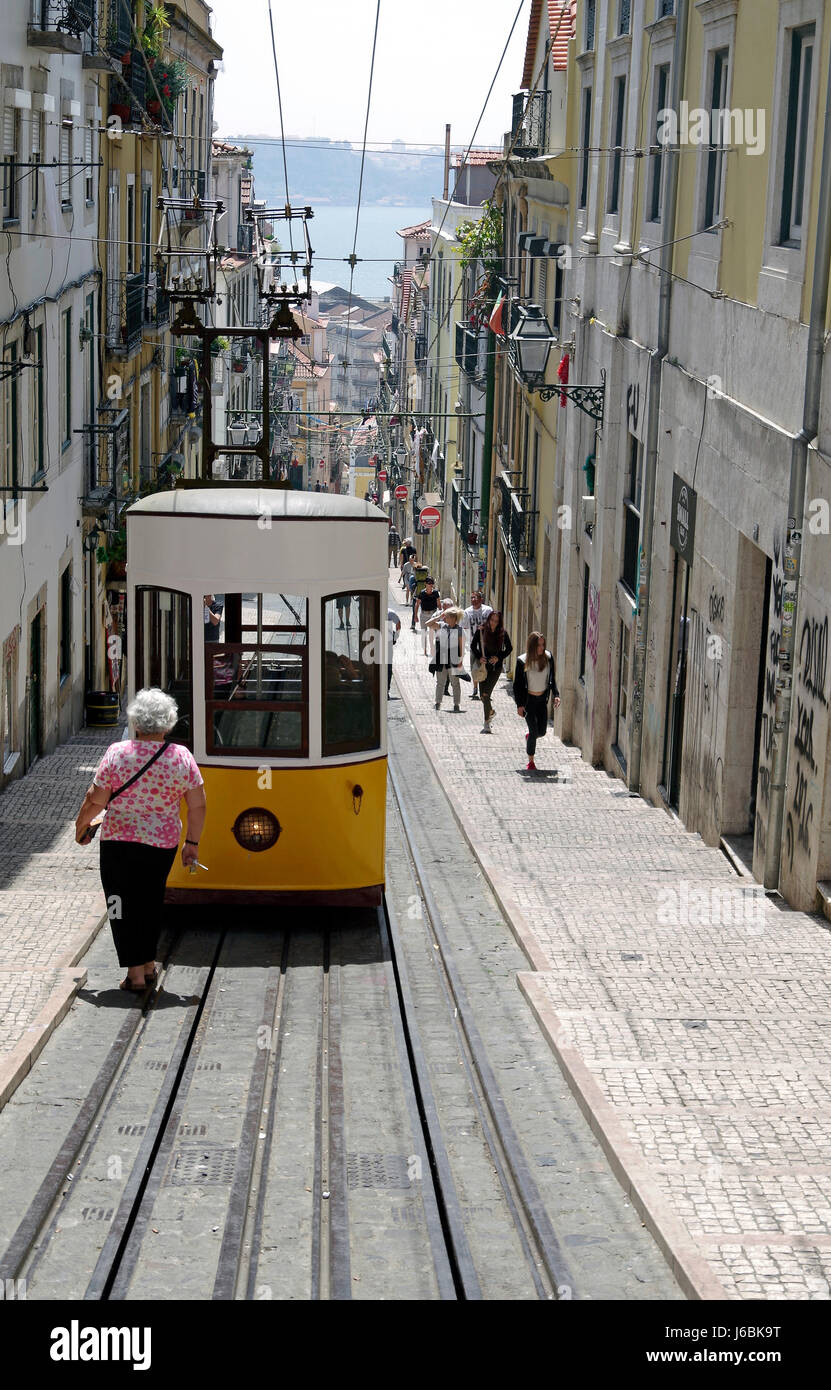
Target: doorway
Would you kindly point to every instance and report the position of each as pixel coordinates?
(676, 682)
(35, 748)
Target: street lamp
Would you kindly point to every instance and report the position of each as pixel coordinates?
(531, 339)
(238, 437)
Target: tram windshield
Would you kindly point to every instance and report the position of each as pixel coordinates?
(163, 625)
(352, 659)
(256, 674)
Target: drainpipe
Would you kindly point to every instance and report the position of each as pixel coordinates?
(796, 504)
(656, 359)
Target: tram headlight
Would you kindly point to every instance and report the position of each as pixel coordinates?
(256, 829)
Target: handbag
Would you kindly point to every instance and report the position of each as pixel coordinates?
(92, 830)
(478, 671)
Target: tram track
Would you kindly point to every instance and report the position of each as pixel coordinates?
(269, 1176)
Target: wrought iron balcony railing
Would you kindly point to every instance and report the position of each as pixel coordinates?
(529, 125)
(125, 313)
(518, 523)
(420, 350)
(59, 26)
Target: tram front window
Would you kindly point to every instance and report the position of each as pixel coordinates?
(256, 677)
(352, 659)
(163, 628)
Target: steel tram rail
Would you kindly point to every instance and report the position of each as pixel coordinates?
(522, 1195)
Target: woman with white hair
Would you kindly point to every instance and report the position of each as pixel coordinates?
(141, 829)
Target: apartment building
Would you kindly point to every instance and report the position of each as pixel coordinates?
(692, 594)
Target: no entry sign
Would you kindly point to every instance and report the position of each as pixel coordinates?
(429, 517)
(401, 492)
(382, 476)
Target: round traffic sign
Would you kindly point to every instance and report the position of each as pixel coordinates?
(429, 517)
(382, 476)
(401, 492)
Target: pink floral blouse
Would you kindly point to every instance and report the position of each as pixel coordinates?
(148, 813)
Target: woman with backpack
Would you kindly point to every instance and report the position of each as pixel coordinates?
(534, 684)
(450, 649)
(491, 647)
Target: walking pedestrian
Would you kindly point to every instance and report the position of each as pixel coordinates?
(407, 570)
(344, 605)
(534, 684)
(407, 551)
(393, 629)
(491, 646)
(141, 828)
(450, 649)
(394, 543)
(476, 615)
(426, 607)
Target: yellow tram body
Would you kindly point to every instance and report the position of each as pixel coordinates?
(263, 612)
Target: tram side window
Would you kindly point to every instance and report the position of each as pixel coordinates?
(352, 659)
(163, 652)
(256, 676)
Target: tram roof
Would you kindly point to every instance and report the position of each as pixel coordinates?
(279, 503)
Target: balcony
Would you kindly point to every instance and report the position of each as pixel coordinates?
(184, 392)
(245, 237)
(529, 125)
(420, 350)
(58, 26)
(125, 313)
(156, 304)
(464, 511)
(518, 526)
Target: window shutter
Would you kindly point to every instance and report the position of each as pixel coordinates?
(88, 145)
(36, 134)
(9, 130)
(64, 149)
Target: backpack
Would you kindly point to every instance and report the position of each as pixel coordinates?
(420, 572)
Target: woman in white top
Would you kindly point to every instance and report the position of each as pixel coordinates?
(534, 684)
(450, 649)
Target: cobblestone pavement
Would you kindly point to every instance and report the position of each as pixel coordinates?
(51, 904)
(688, 1011)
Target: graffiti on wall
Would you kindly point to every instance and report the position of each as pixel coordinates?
(593, 624)
(703, 764)
(769, 697)
(811, 701)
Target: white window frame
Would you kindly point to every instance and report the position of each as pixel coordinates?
(65, 132)
(661, 36)
(11, 170)
(616, 224)
(718, 18)
(782, 277)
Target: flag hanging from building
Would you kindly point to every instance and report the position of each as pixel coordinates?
(562, 374)
(495, 320)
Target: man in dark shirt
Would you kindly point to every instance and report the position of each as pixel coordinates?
(426, 604)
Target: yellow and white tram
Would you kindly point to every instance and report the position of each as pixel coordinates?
(262, 611)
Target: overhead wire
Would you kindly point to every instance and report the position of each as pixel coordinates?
(353, 257)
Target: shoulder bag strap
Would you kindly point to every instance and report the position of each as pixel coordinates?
(138, 774)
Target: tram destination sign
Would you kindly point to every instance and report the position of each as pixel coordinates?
(682, 521)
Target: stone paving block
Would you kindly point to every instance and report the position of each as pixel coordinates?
(32, 1004)
(773, 1271)
(688, 1011)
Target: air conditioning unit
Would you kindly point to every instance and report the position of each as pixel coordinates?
(588, 508)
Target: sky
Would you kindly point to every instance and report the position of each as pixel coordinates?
(434, 63)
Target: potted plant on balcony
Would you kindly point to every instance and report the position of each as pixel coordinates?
(156, 26)
(114, 555)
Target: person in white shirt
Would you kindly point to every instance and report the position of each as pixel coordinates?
(534, 684)
(393, 629)
(450, 649)
(474, 619)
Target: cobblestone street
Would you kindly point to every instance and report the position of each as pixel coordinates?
(51, 904)
(688, 1011)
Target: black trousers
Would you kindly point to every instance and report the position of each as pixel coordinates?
(486, 687)
(536, 717)
(133, 877)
